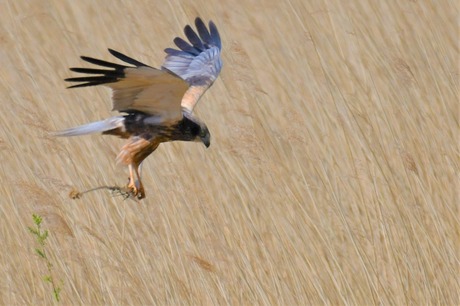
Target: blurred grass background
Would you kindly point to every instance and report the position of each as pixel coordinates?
(332, 177)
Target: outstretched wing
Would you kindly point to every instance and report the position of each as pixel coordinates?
(198, 62)
(136, 88)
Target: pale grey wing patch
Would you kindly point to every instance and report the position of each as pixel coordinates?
(196, 70)
(178, 63)
(205, 67)
(198, 62)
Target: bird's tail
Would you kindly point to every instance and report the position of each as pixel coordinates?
(94, 127)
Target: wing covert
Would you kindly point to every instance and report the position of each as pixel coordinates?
(198, 61)
(136, 88)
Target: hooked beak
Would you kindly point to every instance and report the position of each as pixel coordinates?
(207, 143)
(206, 140)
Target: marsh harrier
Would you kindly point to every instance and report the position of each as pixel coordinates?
(157, 104)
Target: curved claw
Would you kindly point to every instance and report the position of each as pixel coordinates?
(132, 189)
(140, 193)
(136, 190)
(140, 189)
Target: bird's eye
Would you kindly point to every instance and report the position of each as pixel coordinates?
(202, 133)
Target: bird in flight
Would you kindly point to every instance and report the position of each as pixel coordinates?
(156, 104)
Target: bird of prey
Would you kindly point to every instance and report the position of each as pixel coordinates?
(156, 104)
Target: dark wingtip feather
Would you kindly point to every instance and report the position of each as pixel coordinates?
(104, 78)
(200, 40)
(101, 76)
(185, 46)
(193, 38)
(174, 52)
(91, 81)
(126, 58)
(88, 84)
(95, 71)
(215, 35)
(101, 62)
(203, 31)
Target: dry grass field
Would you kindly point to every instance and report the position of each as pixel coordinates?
(332, 177)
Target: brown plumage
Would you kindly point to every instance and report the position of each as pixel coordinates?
(157, 104)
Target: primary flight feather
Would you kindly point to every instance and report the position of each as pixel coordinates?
(157, 104)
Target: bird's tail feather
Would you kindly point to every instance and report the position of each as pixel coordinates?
(94, 127)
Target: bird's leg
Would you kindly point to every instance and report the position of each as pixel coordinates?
(139, 185)
(132, 185)
(132, 154)
(139, 175)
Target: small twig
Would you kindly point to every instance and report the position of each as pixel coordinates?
(115, 190)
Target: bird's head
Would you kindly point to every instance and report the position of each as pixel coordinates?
(196, 129)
